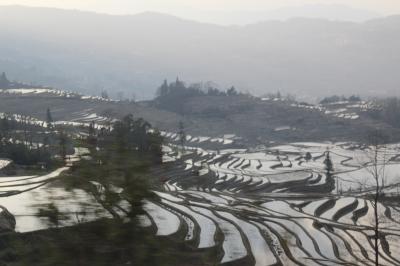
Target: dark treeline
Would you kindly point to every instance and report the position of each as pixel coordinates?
(336, 98)
(30, 145)
(22, 155)
(171, 96)
(20, 148)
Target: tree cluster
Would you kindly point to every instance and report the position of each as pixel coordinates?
(21, 150)
(129, 135)
(119, 158)
(171, 96)
(26, 144)
(336, 98)
(386, 110)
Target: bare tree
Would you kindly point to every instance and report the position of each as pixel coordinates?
(376, 169)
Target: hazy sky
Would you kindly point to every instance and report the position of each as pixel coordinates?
(182, 7)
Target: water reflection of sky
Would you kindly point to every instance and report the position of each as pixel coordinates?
(77, 205)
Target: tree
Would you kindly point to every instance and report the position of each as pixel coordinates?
(104, 94)
(232, 91)
(4, 82)
(308, 156)
(182, 134)
(63, 145)
(354, 98)
(329, 170)
(46, 141)
(4, 126)
(52, 214)
(163, 90)
(92, 138)
(328, 164)
(49, 118)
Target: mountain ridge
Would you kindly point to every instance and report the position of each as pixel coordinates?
(135, 53)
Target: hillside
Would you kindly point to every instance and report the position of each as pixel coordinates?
(255, 120)
(311, 57)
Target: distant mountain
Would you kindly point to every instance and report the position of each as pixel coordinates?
(322, 11)
(330, 12)
(90, 52)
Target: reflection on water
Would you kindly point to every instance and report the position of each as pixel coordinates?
(76, 205)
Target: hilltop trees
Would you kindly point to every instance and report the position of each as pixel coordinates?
(172, 96)
(336, 98)
(232, 91)
(163, 90)
(178, 88)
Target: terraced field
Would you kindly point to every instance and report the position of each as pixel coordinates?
(254, 206)
(272, 206)
(21, 196)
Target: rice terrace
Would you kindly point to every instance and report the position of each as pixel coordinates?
(276, 203)
(199, 133)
